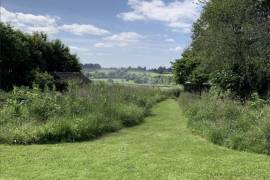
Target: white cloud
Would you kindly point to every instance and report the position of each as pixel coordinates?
(120, 40)
(81, 49)
(177, 14)
(48, 24)
(30, 22)
(124, 37)
(84, 29)
(169, 40)
(101, 54)
(103, 45)
(177, 49)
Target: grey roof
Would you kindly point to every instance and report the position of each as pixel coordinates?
(70, 76)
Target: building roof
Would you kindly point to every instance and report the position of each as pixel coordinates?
(70, 76)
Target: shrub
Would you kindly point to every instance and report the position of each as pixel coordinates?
(43, 79)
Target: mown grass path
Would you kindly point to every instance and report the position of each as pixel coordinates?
(160, 148)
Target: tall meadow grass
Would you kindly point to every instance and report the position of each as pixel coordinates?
(240, 126)
(34, 116)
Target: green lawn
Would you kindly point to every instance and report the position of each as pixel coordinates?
(160, 148)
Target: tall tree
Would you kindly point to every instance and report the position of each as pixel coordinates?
(22, 55)
(231, 41)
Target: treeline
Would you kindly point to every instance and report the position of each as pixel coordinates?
(230, 48)
(26, 58)
(91, 66)
(162, 70)
(98, 66)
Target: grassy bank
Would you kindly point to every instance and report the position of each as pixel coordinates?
(229, 123)
(34, 116)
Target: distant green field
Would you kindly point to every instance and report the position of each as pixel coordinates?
(143, 72)
(120, 81)
(129, 76)
(138, 72)
(105, 70)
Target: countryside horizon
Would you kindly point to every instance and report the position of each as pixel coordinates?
(135, 89)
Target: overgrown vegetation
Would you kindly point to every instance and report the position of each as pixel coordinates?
(35, 116)
(160, 148)
(229, 122)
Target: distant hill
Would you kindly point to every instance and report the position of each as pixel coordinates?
(129, 75)
(91, 66)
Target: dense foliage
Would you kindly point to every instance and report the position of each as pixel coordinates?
(25, 55)
(35, 116)
(230, 48)
(229, 123)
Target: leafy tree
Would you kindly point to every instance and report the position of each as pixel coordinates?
(14, 57)
(230, 44)
(183, 68)
(23, 54)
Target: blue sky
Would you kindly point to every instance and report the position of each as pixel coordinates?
(113, 33)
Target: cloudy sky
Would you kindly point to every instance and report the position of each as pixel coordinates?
(113, 33)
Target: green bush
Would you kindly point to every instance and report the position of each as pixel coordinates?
(229, 123)
(43, 79)
(44, 116)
